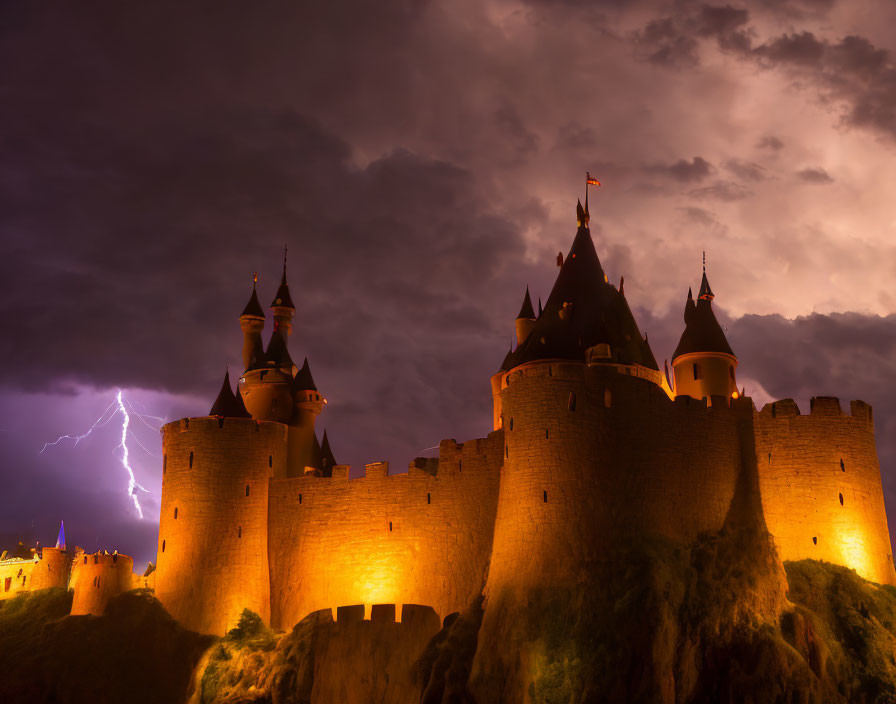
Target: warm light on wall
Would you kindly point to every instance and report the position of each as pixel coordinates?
(854, 549)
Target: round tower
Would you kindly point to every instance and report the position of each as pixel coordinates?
(252, 323)
(302, 439)
(212, 552)
(266, 388)
(703, 364)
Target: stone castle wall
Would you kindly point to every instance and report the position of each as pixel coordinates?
(15, 577)
(423, 537)
(97, 578)
(591, 455)
(213, 542)
(50, 570)
(821, 487)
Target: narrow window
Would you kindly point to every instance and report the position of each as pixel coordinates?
(511, 422)
(547, 433)
(550, 370)
(572, 401)
(300, 498)
(7, 584)
(773, 410)
(23, 579)
(247, 489)
(390, 526)
(186, 423)
(191, 459)
(731, 372)
(507, 450)
(545, 495)
(429, 499)
(163, 546)
(239, 532)
(460, 464)
(270, 460)
(96, 559)
(842, 466)
(769, 457)
(814, 540)
(698, 373)
(85, 559)
(175, 513)
(164, 463)
(114, 559)
(841, 499)
(221, 422)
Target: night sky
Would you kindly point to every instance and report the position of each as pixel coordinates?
(422, 160)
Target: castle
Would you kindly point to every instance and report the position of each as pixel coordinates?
(591, 443)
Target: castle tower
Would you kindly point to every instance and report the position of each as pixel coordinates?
(703, 363)
(266, 387)
(228, 404)
(525, 321)
(282, 306)
(252, 323)
(308, 403)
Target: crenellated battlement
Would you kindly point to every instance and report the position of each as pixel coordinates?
(819, 407)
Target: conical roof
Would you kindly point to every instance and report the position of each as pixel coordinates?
(60, 538)
(584, 310)
(283, 299)
(315, 453)
(702, 332)
(253, 307)
(303, 381)
(526, 310)
(327, 460)
(227, 405)
(277, 351)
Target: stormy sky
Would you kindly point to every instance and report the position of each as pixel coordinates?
(422, 161)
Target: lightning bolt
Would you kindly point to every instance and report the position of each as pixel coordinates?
(79, 438)
(117, 406)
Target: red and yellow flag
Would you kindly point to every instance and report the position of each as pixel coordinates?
(590, 180)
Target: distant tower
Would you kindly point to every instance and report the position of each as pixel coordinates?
(252, 323)
(703, 364)
(525, 321)
(282, 306)
(60, 539)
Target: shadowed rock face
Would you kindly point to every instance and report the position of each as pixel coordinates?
(135, 652)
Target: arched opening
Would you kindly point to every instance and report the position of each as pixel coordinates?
(841, 499)
(428, 498)
(815, 540)
(698, 372)
(247, 489)
(175, 513)
(191, 459)
(571, 404)
(163, 546)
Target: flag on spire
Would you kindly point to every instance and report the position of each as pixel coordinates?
(590, 180)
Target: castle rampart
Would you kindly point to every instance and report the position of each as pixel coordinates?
(423, 537)
(213, 529)
(96, 579)
(591, 455)
(821, 488)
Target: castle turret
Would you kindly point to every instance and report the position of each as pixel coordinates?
(525, 321)
(228, 404)
(302, 439)
(282, 306)
(703, 363)
(252, 323)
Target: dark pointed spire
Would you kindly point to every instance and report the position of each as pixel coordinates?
(303, 380)
(283, 299)
(581, 215)
(253, 307)
(705, 291)
(702, 332)
(526, 309)
(689, 306)
(622, 285)
(327, 460)
(540, 309)
(277, 353)
(227, 405)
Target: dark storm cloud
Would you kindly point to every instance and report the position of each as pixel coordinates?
(770, 142)
(683, 170)
(747, 170)
(726, 191)
(816, 176)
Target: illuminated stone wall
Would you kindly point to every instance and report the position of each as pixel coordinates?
(96, 579)
(15, 577)
(421, 537)
(821, 486)
(592, 455)
(213, 556)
